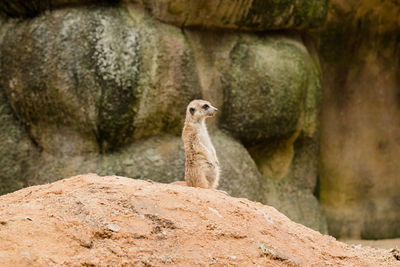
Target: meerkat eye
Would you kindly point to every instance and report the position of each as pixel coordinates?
(205, 107)
(191, 110)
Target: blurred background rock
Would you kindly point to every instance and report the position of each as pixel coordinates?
(309, 93)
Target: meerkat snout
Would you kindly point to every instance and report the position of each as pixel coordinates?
(201, 166)
(209, 110)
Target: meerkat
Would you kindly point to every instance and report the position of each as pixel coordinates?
(201, 166)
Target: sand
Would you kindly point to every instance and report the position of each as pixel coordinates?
(89, 220)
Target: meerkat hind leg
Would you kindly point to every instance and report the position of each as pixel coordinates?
(212, 178)
(197, 180)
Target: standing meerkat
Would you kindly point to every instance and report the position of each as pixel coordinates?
(201, 166)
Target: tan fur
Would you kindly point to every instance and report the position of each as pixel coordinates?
(201, 166)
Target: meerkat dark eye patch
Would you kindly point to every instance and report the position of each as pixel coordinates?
(205, 107)
(191, 110)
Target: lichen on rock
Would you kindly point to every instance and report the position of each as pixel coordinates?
(264, 88)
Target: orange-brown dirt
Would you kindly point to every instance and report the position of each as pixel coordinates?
(90, 220)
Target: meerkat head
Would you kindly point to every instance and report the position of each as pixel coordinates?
(198, 110)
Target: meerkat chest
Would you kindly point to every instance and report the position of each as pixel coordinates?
(204, 139)
(202, 133)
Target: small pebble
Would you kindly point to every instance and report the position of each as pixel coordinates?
(268, 219)
(25, 254)
(113, 227)
(87, 244)
(28, 218)
(216, 212)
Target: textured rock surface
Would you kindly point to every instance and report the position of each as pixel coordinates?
(360, 149)
(168, 79)
(290, 184)
(265, 88)
(17, 150)
(73, 221)
(73, 98)
(242, 14)
(239, 174)
(92, 96)
(159, 158)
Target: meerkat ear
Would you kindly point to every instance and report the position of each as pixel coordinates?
(191, 110)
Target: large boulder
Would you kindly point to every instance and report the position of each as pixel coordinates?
(360, 134)
(82, 75)
(264, 88)
(73, 97)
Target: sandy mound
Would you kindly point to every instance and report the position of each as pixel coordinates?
(89, 220)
